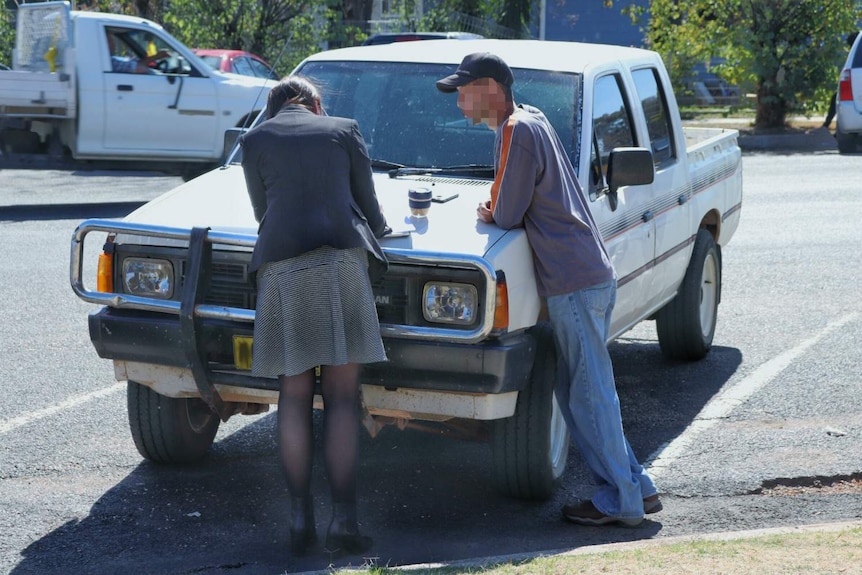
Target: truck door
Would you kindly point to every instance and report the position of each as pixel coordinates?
(156, 103)
(669, 207)
(626, 225)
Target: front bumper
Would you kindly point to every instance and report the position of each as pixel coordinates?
(490, 367)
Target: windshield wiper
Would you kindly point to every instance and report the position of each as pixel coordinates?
(478, 169)
(385, 165)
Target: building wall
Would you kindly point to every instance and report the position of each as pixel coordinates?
(590, 21)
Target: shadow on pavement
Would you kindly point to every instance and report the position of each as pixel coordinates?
(423, 497)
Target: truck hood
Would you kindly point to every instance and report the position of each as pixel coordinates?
(219, 200)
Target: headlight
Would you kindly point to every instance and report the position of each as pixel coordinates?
(450, 303)
(148, 277)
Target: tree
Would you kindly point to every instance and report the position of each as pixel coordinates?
(7, 36)
(511, 15)
(282, 31)
(787, 51)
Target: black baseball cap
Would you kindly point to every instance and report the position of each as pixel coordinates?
(476, 66)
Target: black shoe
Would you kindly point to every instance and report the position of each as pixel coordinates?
(303, 532)
(343, 537)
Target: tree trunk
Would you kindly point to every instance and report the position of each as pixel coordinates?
(771, 107)
(357, 9)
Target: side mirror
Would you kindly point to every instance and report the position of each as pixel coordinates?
(231, 139)
(628, 167)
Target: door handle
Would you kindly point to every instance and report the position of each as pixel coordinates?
(125, 87)
(648, 215)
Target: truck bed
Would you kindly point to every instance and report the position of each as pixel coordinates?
(37, 94)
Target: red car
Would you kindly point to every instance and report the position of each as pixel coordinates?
(236, 62)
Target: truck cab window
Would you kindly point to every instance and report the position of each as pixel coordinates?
(135, 51)
(612, 128)
(655, 109)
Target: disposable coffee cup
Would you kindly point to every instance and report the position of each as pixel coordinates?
(420, 201)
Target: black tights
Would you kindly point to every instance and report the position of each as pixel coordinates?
(340, 386)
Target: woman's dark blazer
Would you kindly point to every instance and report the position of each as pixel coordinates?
(309, 180)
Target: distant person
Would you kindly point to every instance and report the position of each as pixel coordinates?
(310, 185)
(833, 100)
(131, 65)
(535, 187)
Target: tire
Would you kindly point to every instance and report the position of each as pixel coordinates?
(847, 143)
(529, 450)
(686, 325)
(167, 429)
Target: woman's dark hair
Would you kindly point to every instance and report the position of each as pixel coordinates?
(292, 90)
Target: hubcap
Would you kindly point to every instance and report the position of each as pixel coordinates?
(198, 414)
(559, 440)
(708, 295)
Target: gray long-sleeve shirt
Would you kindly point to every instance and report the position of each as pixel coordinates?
(536, 187)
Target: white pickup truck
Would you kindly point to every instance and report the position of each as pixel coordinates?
(459, 312)
(63, 92)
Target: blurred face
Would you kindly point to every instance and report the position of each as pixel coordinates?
(482, 101)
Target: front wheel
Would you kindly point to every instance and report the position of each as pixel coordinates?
(529, 450)
(167, 429)
(686, 324)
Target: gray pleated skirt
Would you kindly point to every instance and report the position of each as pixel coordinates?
(315, 309)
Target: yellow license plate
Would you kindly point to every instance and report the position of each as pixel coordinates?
(242, 345)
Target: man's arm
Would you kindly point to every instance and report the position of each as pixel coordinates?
(512, 190)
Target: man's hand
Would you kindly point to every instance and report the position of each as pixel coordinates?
(484, 212)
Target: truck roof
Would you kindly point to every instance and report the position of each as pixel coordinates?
(113, 18)
(533, 54)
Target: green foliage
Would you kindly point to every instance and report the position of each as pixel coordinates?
(281, 31)
(512, 14)
(786, 51)
(7, 37)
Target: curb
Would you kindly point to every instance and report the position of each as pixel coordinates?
(808, 135)
(480, 562)
(814, 140)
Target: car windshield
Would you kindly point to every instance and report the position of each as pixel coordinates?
(213, 62)
(407, 122)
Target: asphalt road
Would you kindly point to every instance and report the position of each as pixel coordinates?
(765, 432)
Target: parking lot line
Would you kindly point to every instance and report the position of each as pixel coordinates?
(22, 420)
(722, 404)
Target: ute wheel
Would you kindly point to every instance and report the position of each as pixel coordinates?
(529, 449)
(167, 429)
(847, 143)
(686, 324)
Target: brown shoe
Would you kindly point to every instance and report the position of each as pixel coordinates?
(652, 504)
(585, 513)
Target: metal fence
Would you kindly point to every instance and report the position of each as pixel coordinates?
(43, 33)
(353, 32)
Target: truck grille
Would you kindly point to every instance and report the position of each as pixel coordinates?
(230, 286)
(397, 295)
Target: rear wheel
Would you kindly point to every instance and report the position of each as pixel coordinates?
(686, 325)
(847, 143)
(167, 429)
(529, 450)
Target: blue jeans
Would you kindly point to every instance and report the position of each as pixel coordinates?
(587, 397)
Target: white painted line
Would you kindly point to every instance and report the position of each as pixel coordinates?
(722, 404)
(21, 420)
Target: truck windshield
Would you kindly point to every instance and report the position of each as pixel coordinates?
(406, 121)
